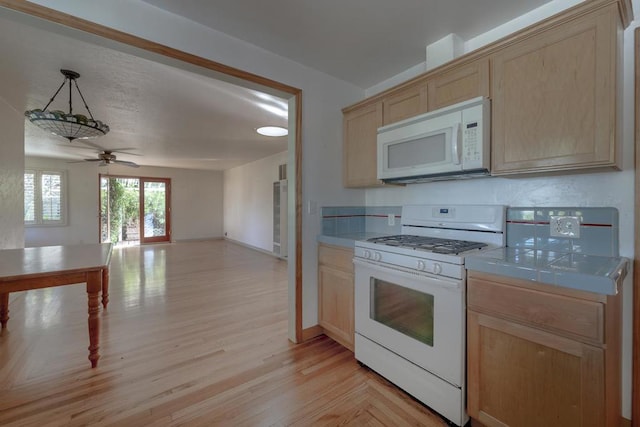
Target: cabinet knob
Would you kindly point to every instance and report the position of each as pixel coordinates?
(437, 268)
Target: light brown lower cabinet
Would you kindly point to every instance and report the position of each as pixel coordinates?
(529, 362)
(335, 293)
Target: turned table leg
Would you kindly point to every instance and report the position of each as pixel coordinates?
(4, 309)
(105, 287)
(94, 286)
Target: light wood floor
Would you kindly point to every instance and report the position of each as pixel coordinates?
(194, 334)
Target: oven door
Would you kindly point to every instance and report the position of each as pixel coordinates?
(418, 316)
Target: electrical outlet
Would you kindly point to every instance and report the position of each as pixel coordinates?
(565, 226)
(391, 219)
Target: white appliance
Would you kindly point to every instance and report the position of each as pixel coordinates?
(410, 300)
(449, 143)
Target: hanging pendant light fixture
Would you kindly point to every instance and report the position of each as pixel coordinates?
(68, 125)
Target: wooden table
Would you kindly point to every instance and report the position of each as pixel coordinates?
(36, 268)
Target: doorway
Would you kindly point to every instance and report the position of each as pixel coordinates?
(51, 20)
(134, 210)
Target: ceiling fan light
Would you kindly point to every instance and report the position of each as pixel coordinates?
(272, 131)
(67, 125)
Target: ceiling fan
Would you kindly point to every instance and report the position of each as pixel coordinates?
(107, 157)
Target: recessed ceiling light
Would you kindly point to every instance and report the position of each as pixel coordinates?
(272, 131)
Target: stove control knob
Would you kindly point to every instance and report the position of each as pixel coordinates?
(367, 254)
(377, 256)
(421, 266)
(437, 268)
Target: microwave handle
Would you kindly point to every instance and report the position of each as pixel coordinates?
(455, 144)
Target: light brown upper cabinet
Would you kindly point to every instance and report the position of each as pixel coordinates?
(554, 97)
(405, 103)
(458, 84)
(360, 126)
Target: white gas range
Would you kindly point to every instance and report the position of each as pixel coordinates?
(410, 300)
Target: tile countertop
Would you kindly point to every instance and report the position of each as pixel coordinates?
(347, 240)
(599, 274)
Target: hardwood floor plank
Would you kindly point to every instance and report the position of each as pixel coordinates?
(195, 334)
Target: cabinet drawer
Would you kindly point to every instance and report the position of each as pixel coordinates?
(579, 319)
(336, 257)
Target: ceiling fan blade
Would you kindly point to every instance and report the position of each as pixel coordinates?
(126, 163)
(126, 150)
(92, 160)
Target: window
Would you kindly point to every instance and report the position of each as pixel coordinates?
(44, 197)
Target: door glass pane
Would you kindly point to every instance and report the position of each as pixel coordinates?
(405, 310)
(120, 210)
(155, 209)
(422, 151)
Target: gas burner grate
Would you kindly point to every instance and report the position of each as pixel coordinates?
(431, 244)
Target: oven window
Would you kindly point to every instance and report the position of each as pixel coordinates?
(408, 311)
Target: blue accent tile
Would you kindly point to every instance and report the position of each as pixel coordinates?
(520, 214)
(596, 241)
(329, 226)
(356, 224)
(329, 211)
(521, 235)
(352, 210)
(598, 215)
(342, 225)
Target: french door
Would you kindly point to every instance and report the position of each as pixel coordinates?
(134, 210)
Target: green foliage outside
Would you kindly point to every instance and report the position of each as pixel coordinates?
(121, 197)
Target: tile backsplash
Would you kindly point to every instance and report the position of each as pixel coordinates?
(530, 228)
(341, 220)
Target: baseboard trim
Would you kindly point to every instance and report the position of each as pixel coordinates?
(203, 239)
(255, 248)
(625, 422)
(312, 332)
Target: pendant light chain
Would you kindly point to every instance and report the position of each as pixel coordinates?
(82, 97)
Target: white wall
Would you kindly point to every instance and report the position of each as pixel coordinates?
(11, 177)
(248, 201)
(322, 100)
(540, 13)
(614, 189)
(196, 202)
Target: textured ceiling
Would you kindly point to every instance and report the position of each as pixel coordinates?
(171, 117)
(359, 41)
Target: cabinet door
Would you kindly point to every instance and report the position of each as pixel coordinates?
(459, 84)
(554, 97)
(405, 103)
(521, 376)
(336, 304)
(359, 146)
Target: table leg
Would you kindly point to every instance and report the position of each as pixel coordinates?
(105, 287)
(94, 285)
(4, 309)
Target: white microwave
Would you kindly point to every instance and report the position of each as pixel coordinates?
(449, 143)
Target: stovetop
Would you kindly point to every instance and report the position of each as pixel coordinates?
(430, 244)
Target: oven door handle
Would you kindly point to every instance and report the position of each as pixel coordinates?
(442, 282)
